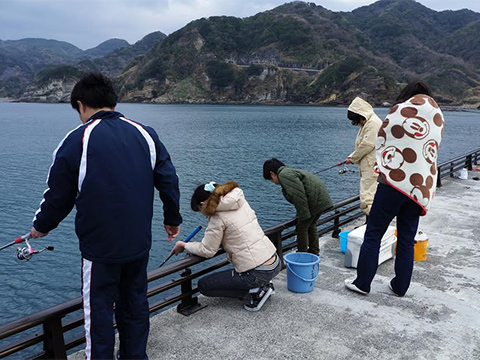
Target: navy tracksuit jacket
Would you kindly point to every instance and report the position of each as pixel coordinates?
(108, 168)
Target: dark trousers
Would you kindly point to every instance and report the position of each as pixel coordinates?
(232, 284)
(387, 204)
(307, 235)
(121, 289)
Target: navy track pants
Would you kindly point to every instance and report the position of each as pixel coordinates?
(120, 289)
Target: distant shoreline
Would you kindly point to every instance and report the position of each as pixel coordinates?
(464, 108)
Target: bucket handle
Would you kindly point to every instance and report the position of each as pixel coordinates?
(317, 265)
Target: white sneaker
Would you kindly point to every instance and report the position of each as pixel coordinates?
(272, 287)
(351, 286)
(256, 300)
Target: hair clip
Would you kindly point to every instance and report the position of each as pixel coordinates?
(209, 187)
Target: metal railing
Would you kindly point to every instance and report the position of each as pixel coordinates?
(450, 167)
(51, 328)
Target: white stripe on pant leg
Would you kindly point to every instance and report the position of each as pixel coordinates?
(86, 283)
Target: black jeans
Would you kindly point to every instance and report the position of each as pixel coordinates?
(387, 204)
(232, 284)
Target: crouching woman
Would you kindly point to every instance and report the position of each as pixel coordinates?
(233, 225)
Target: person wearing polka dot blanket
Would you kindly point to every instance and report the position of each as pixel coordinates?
(406, 153)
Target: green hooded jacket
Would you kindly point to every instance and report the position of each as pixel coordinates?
(305, 191)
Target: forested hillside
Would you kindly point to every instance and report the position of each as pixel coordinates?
(27, 65)
(304, 53)
(297, 53)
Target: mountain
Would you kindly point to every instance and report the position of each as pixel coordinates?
(40, 51)
(373, 51)
(106, 47)
(297, 53)
(21, 59)
(113, 63)
(52, 84)
(440, 47)
(46, 70)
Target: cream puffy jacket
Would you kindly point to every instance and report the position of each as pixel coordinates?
(235, 227)
(364, 154)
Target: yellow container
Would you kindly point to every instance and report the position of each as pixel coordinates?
(421, 246)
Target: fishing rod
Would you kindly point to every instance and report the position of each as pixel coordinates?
(18, 240)
(187, 239)
(25, 253)
(330, 167)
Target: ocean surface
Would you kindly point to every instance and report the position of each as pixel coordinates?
(206, 143)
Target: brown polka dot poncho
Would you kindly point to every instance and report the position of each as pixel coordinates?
(407, 148)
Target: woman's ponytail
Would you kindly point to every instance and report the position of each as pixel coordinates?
(211, 203)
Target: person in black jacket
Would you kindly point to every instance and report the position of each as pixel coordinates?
(108, 168)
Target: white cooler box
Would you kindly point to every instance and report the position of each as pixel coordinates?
(355, 240)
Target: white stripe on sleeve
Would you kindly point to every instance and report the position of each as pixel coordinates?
(50, 169)
(148, 139)
(83, 162)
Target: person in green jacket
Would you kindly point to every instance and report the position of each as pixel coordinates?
(307, 193)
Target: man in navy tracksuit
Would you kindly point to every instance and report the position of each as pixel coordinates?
(108, 167)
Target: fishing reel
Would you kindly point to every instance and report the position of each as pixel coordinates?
(345, 170)
(26, 253)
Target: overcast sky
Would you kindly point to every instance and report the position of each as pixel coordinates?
(87, 23)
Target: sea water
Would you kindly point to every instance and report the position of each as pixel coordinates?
(206, 143)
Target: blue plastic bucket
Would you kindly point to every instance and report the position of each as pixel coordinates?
(343, 241)
(302, 271)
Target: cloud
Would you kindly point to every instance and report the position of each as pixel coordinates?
(87, 23)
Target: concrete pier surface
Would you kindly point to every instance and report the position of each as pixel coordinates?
(439, 318)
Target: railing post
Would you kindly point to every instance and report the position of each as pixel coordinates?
(336, 224)
(54, 343)
(468, 162)
(188, 305)
(439, 176)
